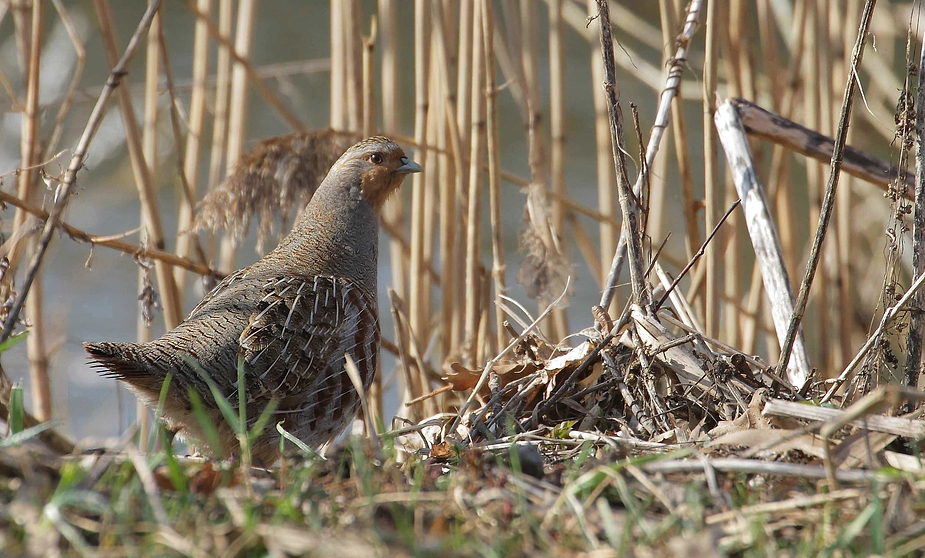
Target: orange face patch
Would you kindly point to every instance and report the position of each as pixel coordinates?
(377, 183)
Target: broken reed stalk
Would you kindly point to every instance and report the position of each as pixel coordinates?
(144, 182)
(473, 237)
(237, 112)
(831, 186)
(195, 118)
(913, 366)
(149, 149)
(668, 94)
(763, 234)
(628, 202)
(62, 194)
(494, 181)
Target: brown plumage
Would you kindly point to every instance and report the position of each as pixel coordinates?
(289, 318)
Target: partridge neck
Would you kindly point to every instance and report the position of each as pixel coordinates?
(335, 236)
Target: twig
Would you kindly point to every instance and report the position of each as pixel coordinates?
(629, 203)
(491, 363)
(662, 117)
(828, 200)
(697, 256)
(888, 316)
(62, 195)
(112, 241)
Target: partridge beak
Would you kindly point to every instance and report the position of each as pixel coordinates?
(408, 166)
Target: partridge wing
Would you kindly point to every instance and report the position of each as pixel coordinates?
(218, 289)
(293, 347)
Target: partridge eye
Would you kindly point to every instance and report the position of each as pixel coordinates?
(376, 158)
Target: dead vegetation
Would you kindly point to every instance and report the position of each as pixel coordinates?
(714, 405)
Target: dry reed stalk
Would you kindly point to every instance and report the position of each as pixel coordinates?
(812, 117)
(369, 50)
(109, 242)
(222, 82)
(605, 179)
(393, 212)
(29, 35)
(197, 110)
(738, 68)
(844, 220)
(586, 248)
(754, 302)
(474, 324)
(494, 182)
(449, 183)
(828, 109)
(237, 110)
(143, 181)
(629, 200)
(374, 409)
(464, 76)
(857, 56)
(668, 10)
(149, 150)
(66, 186)
(68, 99)
(353, 66)
(419, 293)
(912, 369)
(435, 129)
(254, 77)
(763, 236)
(712, 189)
(668, 93)
(338, 66)
(557, 134)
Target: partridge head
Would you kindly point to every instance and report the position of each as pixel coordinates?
(288, 320)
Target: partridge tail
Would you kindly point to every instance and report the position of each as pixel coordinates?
(121, 362)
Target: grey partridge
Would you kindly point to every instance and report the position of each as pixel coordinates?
(288, 319)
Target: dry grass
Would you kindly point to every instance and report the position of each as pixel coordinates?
(662, 414)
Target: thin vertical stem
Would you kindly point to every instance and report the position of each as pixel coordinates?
(474, 211)
(30, 152)
(712, 187)
(143, 181)
(237, 114)
(606, 202)
(354, 64)
(857, 55)
(494, 180)
(420, 291)
(197, 106)
(149, 149)
(338, 66)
